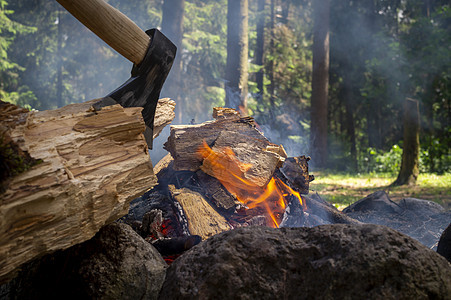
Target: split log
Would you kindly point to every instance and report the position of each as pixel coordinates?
(223, 201)
(259, 158)
(202, 219)
(295, 171)
(164, 114)
(85, 167)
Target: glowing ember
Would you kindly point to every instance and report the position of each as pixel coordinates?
(226, 167)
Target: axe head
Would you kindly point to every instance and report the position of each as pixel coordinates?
(144, 86)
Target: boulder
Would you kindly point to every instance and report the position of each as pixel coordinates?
(444, 244)
(423, 208)
(377, 201)
(116, 264)
(421, 219)
(324, 262)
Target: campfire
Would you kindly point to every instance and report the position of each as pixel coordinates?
(245, 178)
(220, 175)
(225, 174)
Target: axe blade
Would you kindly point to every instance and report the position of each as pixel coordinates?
(146, 81)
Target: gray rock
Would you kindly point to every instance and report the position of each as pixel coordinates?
(423, 208)
(115, 264)
(444, 244)
(338, 261)
(421, 219)
(377, 201)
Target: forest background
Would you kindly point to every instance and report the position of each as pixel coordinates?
(380, 53)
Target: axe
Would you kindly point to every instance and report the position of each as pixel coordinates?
(151, 53)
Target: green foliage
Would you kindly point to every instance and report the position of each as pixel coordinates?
(23, 97)
(8, 31)
(283, 115)
(434, 158)
(203, 58)
(425, 41)
(381, 162)
(436, 155)
(9, 69)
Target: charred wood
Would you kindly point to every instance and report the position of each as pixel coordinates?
(295, 171)
(177, 245)
(217, 193)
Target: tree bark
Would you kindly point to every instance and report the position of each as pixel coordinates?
(86, 166)
(411, 149)
(271, 66)
(285, 11)
(172, 27)
(347, 93)
(237, 55)
(260, 48)
(59, 76)
(320, 82)
(350, 129)
(374, 126)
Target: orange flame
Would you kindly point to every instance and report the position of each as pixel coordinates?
(231, 172)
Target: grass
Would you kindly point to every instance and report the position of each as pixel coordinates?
(344, 189)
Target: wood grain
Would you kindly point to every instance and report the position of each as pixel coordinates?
(203, 220)
(93, 163)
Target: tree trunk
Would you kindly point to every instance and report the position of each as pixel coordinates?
(320, 82)
(59, 76)
(411, 150)
(260, 48)
(285, 11)
(271, 65)
(374, 125)
(350, 129)
(237, 55)
(172, 27)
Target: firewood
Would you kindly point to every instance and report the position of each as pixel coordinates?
(164, 115)
(164, 168)
(295, 171)
(217, 194)
(86, 166)
(202, 219)
(228, 133)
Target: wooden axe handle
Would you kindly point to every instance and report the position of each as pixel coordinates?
(112, 26)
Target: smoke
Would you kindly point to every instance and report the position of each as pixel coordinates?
(370, 71)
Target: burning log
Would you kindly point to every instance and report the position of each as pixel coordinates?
(219, 196)
(295, 171)
(202, 219)
(231, 131)
(82, 169)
